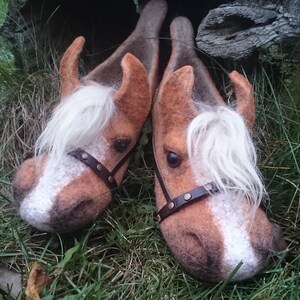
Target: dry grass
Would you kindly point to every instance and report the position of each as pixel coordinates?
(123, 255)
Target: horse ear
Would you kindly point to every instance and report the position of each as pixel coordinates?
(68, 68)
(244, 98)
(134, 97)
(175, 97)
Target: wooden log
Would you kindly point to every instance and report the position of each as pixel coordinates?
(236, 30)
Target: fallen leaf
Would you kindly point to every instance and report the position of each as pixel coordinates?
(37, 280)
(11, 282)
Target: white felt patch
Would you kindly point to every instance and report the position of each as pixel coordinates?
(230, 217)
(36, 206)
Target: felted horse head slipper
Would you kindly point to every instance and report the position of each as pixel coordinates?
(208, 188)
(82, 154)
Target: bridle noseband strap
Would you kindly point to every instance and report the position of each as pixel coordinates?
(96, 166)
(99, 169)
(186, 198)
(178, 202)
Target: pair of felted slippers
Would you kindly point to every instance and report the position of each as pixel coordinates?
(208, 189)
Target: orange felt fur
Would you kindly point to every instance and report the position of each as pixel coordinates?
(69, 77)
(245, 97)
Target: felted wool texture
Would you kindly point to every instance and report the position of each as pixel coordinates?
(208, 237)
(67, 195)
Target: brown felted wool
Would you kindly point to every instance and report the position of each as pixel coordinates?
(68, 196)
(24, 180)
(197, 250)
(68, 71)
(134, 74)
(142, 43)
(207, 246)
(244, 97)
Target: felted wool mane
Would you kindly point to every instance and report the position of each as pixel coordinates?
(220, 149)
(77, 121)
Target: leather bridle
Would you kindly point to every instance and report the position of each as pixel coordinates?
(175, 204)
(99, 169)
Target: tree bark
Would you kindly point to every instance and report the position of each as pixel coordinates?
(236, 30)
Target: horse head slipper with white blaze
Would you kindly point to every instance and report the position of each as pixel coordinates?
(82, 154)
(208, 188)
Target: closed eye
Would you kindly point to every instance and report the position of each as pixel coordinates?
(121, 145)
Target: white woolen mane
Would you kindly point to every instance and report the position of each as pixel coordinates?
(220, 149)
(77, 121)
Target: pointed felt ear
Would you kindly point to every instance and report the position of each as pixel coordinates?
(143, 43)
(68, 68)
(175, 97)
(244, 98)
(134, 97)
(183, 54)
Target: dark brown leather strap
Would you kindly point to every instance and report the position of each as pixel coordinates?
(122, 160)
(175, 204)
(185, 199)
(100, 170)
(96, 166)
(159, 177)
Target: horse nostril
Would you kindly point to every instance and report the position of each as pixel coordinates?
(24, 181)
(73, 217)
(279, 243)
(20, 191)
(18, 195)
(199, 255)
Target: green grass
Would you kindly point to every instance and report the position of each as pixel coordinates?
(6, 58)
(123, 255)
(3, 8)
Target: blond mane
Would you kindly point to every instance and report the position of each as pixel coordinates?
(220, 149)
(77, 121)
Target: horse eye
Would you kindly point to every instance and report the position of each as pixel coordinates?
(121, 145)
(174, 160)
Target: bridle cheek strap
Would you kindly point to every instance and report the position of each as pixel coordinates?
(175, 204)
(99, 169)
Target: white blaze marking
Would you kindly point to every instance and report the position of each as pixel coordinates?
(231, 218)
(36, 206)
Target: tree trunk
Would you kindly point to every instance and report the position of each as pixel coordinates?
(236, 30)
